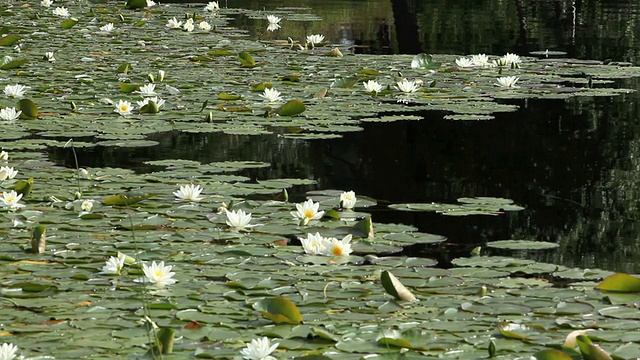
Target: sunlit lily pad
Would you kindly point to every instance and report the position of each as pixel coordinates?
(522, 245)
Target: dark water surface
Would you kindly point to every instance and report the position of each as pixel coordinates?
(574, 165)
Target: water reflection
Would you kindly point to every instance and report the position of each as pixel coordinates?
(573, 165)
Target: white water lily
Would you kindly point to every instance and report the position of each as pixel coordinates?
(271, 95)
(8, 351)
(274, 22)
(464, 62)
(372, 86)
(16, 90)
(46, 3)
(348, 200)
(161, 75)
(61, 11)
(49, 56)
(511, 59)
(10, 200)
(188, 25)
(189, 192)
(480, 60)
(407, 86)
(259, 349)
(212, 6)
(159, 102)
(159, 274)
(86, 206)
(9, 114)
(507, 81)
(174, 23)
(123, 107)
(7, 173)
(114, 265)
(151, 3)
(147, 90)
(4, 156)
(313, 244)
(307, 211)
(203, 25)
(315, 39)
(335, 247)
(107, 28)
(238, 219)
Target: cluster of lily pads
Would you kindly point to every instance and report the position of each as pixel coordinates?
(234, 270)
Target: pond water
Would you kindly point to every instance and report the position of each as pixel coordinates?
(572, 164)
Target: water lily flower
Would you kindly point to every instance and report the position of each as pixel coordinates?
(407, 86)
(161, 75)
(348, 200)
(259, 349)
(4, 156)
(9, 114)
(159, 102)
(174, 24)
(212, 6)
(107, 28)
(159, 274)
(85, 173)
(464, 62)
(270, 95)
(147, 90)
(151, 3)
(188, 25)
(313, 244)
(189, 192)
(308, 211)
(274, 22)
(507, 81)
(10, 200)
(8, 351)
(61, 11)
(372, 86)
(238, 219)
(114, 265)
(480, 60)
(16, 90)
(335, 247)
(7, 173)
(203, 25)
(49, 56)
(123, 107)
(511, 59)
(46, 3)
(314, 40)
(87, 206)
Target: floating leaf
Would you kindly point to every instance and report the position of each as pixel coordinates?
(166, 336)
(39, 239)
(424, 61)
(224, 96)
(125, 199)
(246, 59)
(620, 282)
(29, 109)
(365, 226)
(24, 187)
(123, 69)
(69, 23)
(9, 40)
(551, 354)
(291, 108)
(394, 287)
(14, 64)
(522, 245)
(150, 108)
(129, 88)
(280, 310)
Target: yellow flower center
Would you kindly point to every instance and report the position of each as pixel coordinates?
(336, 250)
(309, 213)
(124, 108)
(158, 273)
(10, 198)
